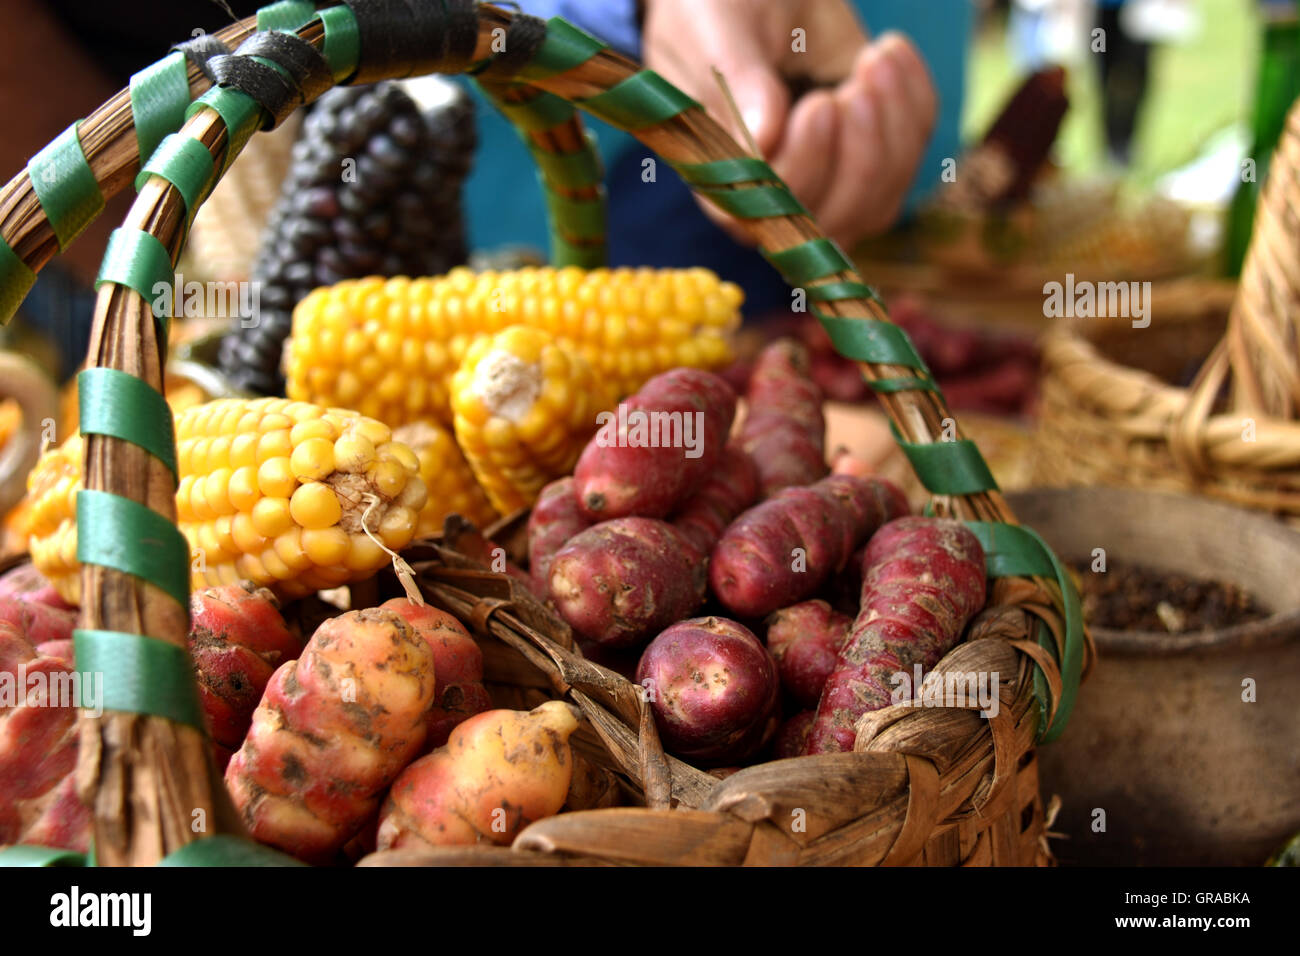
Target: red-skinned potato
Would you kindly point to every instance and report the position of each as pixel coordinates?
(784, 429)
(805, 640)
(333, 730)
(626, 470)
(499, 771)
(924, 580)
(38, 751)
(29, 601)
(457, 664)
(25, 583)
(237, 639)
(555, 519)
(793, 735)
(621, 581)
(713, 689)
(783, 550)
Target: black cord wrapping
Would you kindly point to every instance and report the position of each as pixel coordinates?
(523, 38)
(279, 95)
(306, 64)
(270, 88)
(201, 50)
(402, 38)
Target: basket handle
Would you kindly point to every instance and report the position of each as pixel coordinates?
(137, 753)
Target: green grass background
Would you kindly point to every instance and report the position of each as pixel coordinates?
(1198, 86)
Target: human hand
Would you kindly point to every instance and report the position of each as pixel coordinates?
(850, 152)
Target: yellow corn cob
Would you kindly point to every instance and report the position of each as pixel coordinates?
(271, 491)
(525, 406)
(447, 476)
(389, 347)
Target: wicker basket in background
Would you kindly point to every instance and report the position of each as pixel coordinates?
(1203, 400)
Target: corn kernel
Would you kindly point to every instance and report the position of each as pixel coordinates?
(313, 506)
(274, 444)
(271, 516)
(216, 493)
(353, 452)
(242, 488)
(243, 449)
(364, 554)
(245, 536)
(327, 547)
(275, 478)
(388, 477)
(313, 459)
(312, 428)
(288, 546)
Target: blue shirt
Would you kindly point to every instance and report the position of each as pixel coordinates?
(658, 224)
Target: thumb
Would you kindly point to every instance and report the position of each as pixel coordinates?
(762, 98)
(763, 101)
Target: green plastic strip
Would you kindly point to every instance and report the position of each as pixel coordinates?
(342, 47)
(286, 16)
(576, 218)
(16, 280)
(26, 855)
(1013, 551)
(726, 172)
(754, 202)
(139, 261)
(642, 100)
(121, 534)
(564, 48)
(834, 291)
(186, 164)
(140, 675)
(540, 113)
(160, 95)
(886, 386)
(222, 849)
(872, 340)
(570, 170)
(239, 111)
(65, 185)
(948, 467)
(122, 406)
(809, 261)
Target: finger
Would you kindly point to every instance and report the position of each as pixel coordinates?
(744, 57)
(889, 106)
(914, 76)
(762, 100)
(864, 180)
(807, 152)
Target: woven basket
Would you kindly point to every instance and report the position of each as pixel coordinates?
(1114, 411)
(926, 786)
